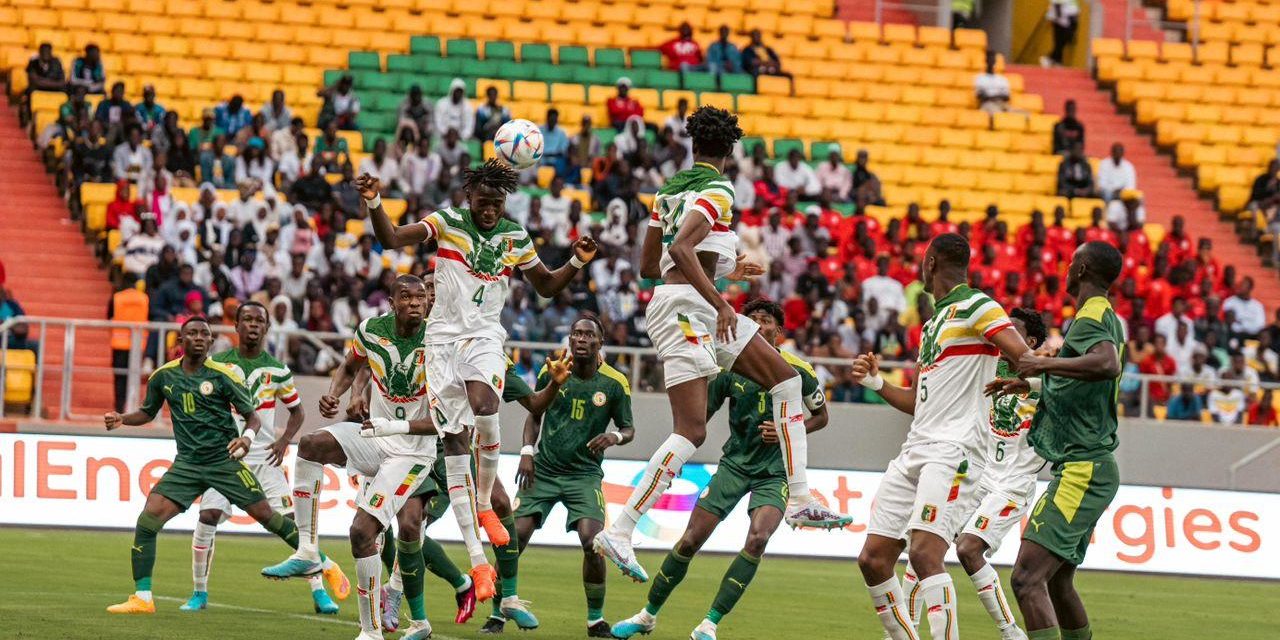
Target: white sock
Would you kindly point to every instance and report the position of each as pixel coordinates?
(462, 498)
(369, 589)
(307, 476)
(788, 417)
(663, 467)
(939, 596)
(911, 587)
(316, 582)
(396, 582)
(202, 554)
(145, 595)
(488, 445)
(987, 582)
(327, 564)
(891, 607)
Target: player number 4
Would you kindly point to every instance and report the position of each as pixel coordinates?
(478, 298)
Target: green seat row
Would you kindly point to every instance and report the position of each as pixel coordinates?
(402, 70)
(531, 52)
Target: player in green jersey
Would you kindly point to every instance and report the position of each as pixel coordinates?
(1074, 428)
(201, 394)
(270, 382)
(751, 463)
(560, 460)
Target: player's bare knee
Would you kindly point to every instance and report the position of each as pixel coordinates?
(875, 566)
(210, 517)
(756, 542)
(364, 535)
(972, 553)
(925, 561)
(1025, 582)
(310, 446)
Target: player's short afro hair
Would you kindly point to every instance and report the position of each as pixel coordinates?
(251, 304)
(593, 319)
(714, 131)
(492, 175)
(951, 249)
(1104, 262)
(764, 305)
(1034, 323)
(405, 280)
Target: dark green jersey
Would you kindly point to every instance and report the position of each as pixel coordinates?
(749, 406)
(200, 406)
(581, 411)
(1076, 419)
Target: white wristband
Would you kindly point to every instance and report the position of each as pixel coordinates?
(617, 435)
(874, 383)
(374, 203)
(577, 264)
(250, 434)
(528, 450)
(1035, 384)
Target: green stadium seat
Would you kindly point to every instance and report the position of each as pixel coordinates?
(425, 45)
(600, 75)
(845, 208)
(514, 71)
(476, 150)
(383, 82)
(659, 79)
(332, 75)
(472, 69)
(535, 53)
(461, 48)
(611, 58)
(606, 135)
(749, 144)
(442, 66)
(646, 59)
(408, 80)
(737, 83)
(570, 56)
(552, 73)
(499, 50)
(819, 151)
(699, 81)
(783, 146)
(373, 124)
(385, 101)
(406, 63)
(364, 60)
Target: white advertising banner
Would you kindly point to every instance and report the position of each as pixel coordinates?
(88, 481)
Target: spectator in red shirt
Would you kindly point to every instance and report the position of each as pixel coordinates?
(989, 270)
(942, 224)
(1178, 241)
(768, 193)
(1207, 266)
(1159, 363)
(980, 232)
(122, 207)
(682, 53)
(1051, 300)
(1032, 232)
(1262, 412)
(1098, 230)
(1137, 244)
(907, 269)
(623, 106)
(1061, 239)
(829, 218)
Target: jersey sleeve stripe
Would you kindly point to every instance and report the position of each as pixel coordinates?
(707, 209)
(997, 328)
(967, 350)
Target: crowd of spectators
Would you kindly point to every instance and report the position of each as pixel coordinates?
(297, 239)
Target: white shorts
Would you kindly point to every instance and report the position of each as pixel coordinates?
(273, 482)
(391, 479)
(993, 517)
(924, 489)
(449, 367)
(682, 327)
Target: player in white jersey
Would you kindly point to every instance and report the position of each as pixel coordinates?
(393, 348)
(945, 452)
(697, 333)
(477, 250)
(1004, 491)
(270, 382)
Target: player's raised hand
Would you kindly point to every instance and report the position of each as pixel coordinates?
(768, 432)
(560, 367)
(238, 447)
(865, 365)
(745, 270)
(601, 442)
(329, 406)
(525, 473)
(1007, 387)
(368, 185)
(585, 248)
(726, 324)
(275, 452)
(113, 420)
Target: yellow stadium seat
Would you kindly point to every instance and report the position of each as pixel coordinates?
(956, 138)
(973, 119)
(1107, 47)
(1009, 122)
(568, 93)
(938, 118)
(1213, 53)
(904, 114)
(773, 85)
(829, 29)
(866, 111)
(753, 104)
(927, 137)
(20, 367)
(898, 34)
(525, 90)
(864, 32)
(974, 39)
(1082, 208)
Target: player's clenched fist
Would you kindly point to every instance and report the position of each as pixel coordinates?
(368, 185)
(866, 365)
(113, 420)
(585, 248)
(329, 405)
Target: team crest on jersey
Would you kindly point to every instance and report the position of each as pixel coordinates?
(206, 388)
(598, 399)
(485, 259)
(929, 513)
(266, 379)
(497, 382)
(377, 499)
(981, 523)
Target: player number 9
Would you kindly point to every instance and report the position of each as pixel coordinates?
(399, 413)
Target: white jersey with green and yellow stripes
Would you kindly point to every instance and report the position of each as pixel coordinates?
(399, 377)
(957, 359)
(473, 271)
(702, 189)
(270, 382)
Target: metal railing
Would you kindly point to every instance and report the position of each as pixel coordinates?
(1190, 29)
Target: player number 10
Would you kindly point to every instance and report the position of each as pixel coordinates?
(189, 403)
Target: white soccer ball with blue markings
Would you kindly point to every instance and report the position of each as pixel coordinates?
(519, 144)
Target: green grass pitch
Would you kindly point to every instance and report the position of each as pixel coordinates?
(57, 583)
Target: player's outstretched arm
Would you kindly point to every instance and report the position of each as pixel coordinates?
(651, 253)
(558, 371)
(549, 283)
(1010, 343)
(340, 383)
(525, 474)
(114, 420)
(1100, 362)
(866, 372)
(388, 234)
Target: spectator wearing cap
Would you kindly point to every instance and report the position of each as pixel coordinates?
(231, 116)
(623, 107)
(414, 114)
(201, 138)
(797, 176)
(276, 115)
(722, 55)
(341, 105)
(683, 53)
(87, 70)
(491, 115)
(149, 112)
(991, 88)
(454, 111)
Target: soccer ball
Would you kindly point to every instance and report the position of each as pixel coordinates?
(519, 143)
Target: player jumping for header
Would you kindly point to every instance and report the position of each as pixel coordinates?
(697, 333)
(201, 394)
(750, 464)
(477, 249)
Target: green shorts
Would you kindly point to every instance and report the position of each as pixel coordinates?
(728, 486)
(1063, 519)
(581, 495)
(186, 481)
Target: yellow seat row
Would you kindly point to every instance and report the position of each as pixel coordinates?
(1211, 52)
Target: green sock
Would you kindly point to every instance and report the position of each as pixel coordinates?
(496, 600)
(1050, 633)
(669, 576)
(439, 563)
(143, 552)
(283, 527)
(595, 601)
(1084, 633)
(732, 586)
(388, 550)
(411, 573)
(507, 558)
